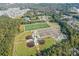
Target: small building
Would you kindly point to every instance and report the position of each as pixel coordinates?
(26, 19)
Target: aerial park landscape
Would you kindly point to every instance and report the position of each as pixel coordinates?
(39, 29)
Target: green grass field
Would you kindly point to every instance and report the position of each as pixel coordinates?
(22, 50)
(48, 42)
(34, 26)
(20, 45)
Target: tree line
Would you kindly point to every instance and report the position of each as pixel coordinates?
(8, 30)
(65, 47)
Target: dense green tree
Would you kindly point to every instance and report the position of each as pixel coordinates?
(8, 30)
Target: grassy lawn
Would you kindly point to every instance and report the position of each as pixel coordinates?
(34, 26)
(22, 50)
(20, 45)
(48, 42)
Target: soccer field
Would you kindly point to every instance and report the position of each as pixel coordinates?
(34, 26)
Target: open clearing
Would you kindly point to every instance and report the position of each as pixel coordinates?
(20, 48)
